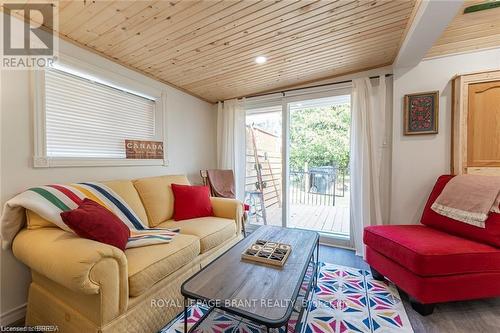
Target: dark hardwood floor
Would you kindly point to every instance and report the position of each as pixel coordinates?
(341, 256)
(482, 316)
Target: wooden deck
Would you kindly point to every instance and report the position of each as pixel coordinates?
(334, 219)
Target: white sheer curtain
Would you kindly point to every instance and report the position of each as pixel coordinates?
(368, 141)
(231, 141)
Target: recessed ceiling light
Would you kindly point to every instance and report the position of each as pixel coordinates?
(260, 59)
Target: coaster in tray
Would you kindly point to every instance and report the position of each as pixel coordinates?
(267, 252)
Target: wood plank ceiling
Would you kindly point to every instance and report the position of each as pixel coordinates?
(469, 32)
(208, 47)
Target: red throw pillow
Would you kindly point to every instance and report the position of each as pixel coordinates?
(191, 202)
(489, 235)
(92, 221)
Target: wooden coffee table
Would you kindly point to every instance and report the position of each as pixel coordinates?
(261, 293)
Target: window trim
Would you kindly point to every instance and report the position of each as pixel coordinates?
(40, 158)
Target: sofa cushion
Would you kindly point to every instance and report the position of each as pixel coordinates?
(212, 231)
(436, 289)
(148, 265)
(490, 234)
(157, 197)
(35, 221)
(191, 202)
(126, 190)
(92, 221)
(429, 252)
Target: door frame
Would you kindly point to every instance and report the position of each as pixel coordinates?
(286, 99)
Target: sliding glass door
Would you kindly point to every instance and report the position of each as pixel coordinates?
(297, 158)
(318, 180)
(263, 181)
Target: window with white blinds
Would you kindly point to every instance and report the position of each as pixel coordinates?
(87, 119)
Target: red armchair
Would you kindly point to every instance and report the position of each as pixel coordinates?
(441, 260)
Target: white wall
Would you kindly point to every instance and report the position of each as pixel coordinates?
(418, 160)
(191, 146)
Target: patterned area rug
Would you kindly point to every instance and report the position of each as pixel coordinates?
(345, 300)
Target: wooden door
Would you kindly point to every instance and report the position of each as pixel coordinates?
(483, 125)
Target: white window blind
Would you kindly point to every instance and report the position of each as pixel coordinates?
(320, 102)
(86, 119)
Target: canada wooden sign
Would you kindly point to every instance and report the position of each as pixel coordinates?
(138, 149)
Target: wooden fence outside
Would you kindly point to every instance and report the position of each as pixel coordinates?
(264, 151)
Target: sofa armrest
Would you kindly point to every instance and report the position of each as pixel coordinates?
(79, 264)
(229, 209)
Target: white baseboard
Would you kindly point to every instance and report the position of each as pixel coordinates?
(13, 315)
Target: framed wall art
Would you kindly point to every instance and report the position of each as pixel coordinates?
(421, 113)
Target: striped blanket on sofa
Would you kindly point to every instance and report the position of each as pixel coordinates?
(50, 201)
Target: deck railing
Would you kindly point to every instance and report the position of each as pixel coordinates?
(318, 187)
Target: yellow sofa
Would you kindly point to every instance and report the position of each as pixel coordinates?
(85, 286)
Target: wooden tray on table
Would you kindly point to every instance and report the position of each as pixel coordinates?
(267, 252)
